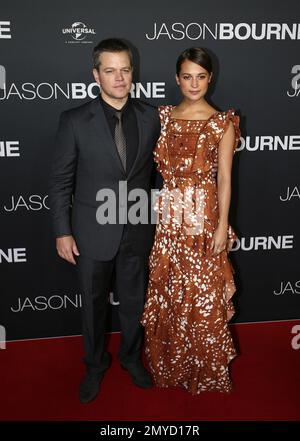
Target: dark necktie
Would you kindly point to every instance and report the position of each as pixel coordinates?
(120, 138)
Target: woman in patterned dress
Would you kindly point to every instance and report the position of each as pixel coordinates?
(188, 304)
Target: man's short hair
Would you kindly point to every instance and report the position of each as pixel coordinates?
(110, 45)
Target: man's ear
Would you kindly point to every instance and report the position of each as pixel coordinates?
(96, 75)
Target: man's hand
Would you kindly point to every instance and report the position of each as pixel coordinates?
(66, 246)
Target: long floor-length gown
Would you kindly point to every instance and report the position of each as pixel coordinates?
(188, 303)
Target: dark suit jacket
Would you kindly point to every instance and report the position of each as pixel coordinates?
(85, 161)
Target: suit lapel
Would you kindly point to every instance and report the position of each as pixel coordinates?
(140, 125)
(101, 128)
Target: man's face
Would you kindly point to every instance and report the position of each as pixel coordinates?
(114, 75)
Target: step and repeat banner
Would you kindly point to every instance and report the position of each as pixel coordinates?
(46, 67)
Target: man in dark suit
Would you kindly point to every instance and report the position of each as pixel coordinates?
(99, 145)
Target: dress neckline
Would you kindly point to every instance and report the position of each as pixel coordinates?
(182, 119)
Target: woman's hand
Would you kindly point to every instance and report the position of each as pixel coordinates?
(219, 240)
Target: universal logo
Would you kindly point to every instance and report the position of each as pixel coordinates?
(79, 33)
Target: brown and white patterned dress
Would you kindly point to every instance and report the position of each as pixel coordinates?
(188, 304)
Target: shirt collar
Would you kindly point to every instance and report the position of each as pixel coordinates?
(112, 110)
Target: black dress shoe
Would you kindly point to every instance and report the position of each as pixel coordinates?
(139, 375)
(90, 385)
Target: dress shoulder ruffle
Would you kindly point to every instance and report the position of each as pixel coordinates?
(227, 117)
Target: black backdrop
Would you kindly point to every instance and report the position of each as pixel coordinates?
(46, 68)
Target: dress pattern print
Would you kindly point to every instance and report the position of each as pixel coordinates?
(188, 303)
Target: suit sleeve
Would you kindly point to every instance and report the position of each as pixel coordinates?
(62, 177)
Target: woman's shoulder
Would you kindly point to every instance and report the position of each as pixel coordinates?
(165, 108)
(226, 114)
(223, 118)
(164, 113)
(227, 118)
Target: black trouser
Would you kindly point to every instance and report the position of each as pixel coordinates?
(95, 278)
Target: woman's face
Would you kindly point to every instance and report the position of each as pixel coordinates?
(193, 80)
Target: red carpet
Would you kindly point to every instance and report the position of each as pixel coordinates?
(40, 378)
